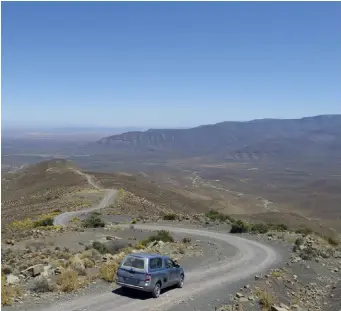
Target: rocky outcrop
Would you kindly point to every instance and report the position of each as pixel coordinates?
(33, 271)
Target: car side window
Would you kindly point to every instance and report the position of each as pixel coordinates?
(169, 263)
(155, 263)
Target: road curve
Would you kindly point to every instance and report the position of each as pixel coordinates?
(109, 197)
(251, 258)
(63, 219)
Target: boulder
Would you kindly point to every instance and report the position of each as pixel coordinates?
(12, 279)
(33, 271)
(48, 270)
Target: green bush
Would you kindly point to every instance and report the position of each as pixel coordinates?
(259, 228)
(103, 249)
(215, 215)
(308, 253)
(44, 222)
(280, 227)
(110, 247)
(186, 240)
(161, 235)
(304, 231)
(93, 221)
(170, 217)
(299, 241)
(239, 227)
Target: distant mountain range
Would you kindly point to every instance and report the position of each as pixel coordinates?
(317, 137)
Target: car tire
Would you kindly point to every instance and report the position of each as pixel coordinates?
(181, 282)
(156, 290)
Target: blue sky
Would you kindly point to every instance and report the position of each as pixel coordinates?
(168, 64)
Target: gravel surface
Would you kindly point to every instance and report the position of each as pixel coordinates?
(239, 260)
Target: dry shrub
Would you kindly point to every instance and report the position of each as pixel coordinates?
(139, 246)
(79, 263)
(277, 273)
(6, 269)
(68, 281)
(92, 254)
(108, 271)
(88, 263)
(8, 292)
(186, 240)
(43, 285)
(266, 299)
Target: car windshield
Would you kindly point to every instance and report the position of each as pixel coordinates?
(133, 262)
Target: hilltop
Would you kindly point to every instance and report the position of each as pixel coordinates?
(42, 188)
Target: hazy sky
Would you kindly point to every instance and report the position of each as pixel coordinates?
(168, 64)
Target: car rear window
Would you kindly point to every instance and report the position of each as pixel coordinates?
(133, 262)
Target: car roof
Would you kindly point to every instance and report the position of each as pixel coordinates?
(146, 255)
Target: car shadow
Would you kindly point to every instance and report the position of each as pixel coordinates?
(137, 294)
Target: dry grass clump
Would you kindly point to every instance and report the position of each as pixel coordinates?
(68, 281)
(77, 264)
(139, 246)
(8, 292)
(266, 299)
(108, 270)
(277, 273)
(91, 254)
(88, 263)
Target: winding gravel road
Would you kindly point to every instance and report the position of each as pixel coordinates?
(250, 258)
(109, 198)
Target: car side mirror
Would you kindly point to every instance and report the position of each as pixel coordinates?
(177, 265)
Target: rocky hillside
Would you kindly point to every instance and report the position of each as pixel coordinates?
(318, 137)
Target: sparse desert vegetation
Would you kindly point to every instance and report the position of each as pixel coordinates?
(93, 221)
(108, 271)
(161, 235)
(93, 253)
(53, 269)
(42, 189)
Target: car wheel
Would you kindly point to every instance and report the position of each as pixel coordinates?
(157, 290)
(181, 281)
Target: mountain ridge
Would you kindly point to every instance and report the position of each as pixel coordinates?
(315, 135)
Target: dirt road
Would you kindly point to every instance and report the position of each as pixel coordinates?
(109, 198)
(250, 258)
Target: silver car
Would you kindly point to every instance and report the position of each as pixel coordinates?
(149, 273)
